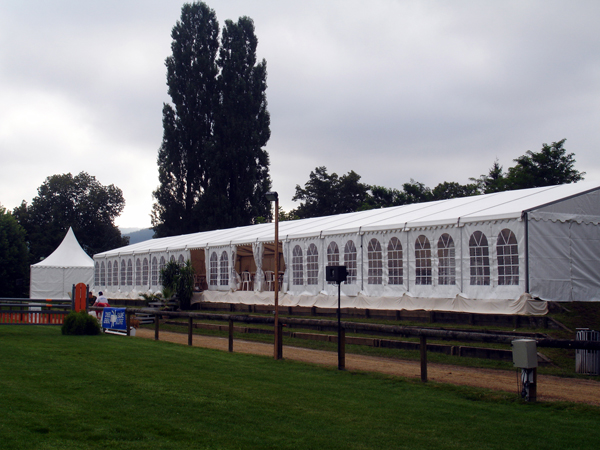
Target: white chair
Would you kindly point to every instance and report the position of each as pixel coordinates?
(270, 279)
(246, 281)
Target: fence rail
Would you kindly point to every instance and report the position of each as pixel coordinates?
(393, 330)
(28, 311)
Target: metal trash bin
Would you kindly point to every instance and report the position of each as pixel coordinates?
(587, 361)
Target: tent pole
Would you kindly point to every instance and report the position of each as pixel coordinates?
(526, 219)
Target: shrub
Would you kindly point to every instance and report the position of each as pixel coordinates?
(80, 323)
(178, 280)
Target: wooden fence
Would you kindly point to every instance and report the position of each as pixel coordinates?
(391, 330)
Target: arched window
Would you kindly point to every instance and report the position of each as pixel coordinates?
(102, 274)
(446, 260)
(154, 272)
(214, 269)
(123, 273)
(224, 270)
(97, 274)
(422, 261)
(375, 260)
(138, 272)
(129, 272)
(395, 268)
(508, 258)
(161, 266)
(333, 256)
(145, 272)
(312, 265)
(350, 262)
(297, 266)
(109, 274)
(181, 260)
(116, 273)
(479, 254)
(172, 258)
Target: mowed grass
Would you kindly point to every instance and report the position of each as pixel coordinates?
(81, 392)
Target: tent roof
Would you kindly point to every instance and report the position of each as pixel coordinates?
(68, 254)
(497, 206)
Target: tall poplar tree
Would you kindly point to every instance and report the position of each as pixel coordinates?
(213, 170)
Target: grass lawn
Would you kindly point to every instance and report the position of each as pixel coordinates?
(80, 392)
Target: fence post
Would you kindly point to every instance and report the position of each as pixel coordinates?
(280, 340)
(342, 350)
(156, 327)
(231, 335)
(423, 359)
(190, 328)
(128, 321)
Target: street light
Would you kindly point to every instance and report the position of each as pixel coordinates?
(278, 349)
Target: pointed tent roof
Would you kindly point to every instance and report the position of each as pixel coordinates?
(68, 254)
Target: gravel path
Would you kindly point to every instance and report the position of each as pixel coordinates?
(549, 388)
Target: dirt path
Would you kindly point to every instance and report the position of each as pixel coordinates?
(549, 388)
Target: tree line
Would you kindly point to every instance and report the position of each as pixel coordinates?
(325, 194)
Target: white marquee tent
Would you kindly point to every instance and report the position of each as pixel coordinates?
(55, 276)
(507, 253)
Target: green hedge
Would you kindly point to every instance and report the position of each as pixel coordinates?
(80, 323)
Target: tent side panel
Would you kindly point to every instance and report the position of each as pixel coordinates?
(46, 282)
(564, 246)
(585, 256)
(550, 260)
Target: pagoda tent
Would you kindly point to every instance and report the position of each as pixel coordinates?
(54, 277)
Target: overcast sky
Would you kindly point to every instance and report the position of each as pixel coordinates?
(429, 90)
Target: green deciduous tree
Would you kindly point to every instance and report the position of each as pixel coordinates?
(446, 190)
(325, 194)
(213, 170)
(14, 268)
(548, 167)
(80, 202)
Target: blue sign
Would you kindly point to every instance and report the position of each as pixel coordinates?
(114, 319)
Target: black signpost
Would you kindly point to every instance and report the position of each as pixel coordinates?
(338, 274)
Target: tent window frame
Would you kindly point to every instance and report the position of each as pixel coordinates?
(138, 272)
(297, 266)
(423, 266)
(333, 256)
(350, 261)
(507, 250)
(224, 269)
(395, 262)
(154, 271)
(214, 269)
(123, 273)
(446, 260)
(312, 265)
(479, 259)
(109, 273)
(145, 272)
(129, 272)
(115, 273)
(102, 274)
(375, 262)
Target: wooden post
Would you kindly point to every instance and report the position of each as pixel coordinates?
(231, 335)
(423, 359)
(128, 322)
(190, 328)
(533, 386)
(156, 327)
(342, 350)
(280, 340)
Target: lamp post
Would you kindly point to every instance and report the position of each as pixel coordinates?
(277, 351)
